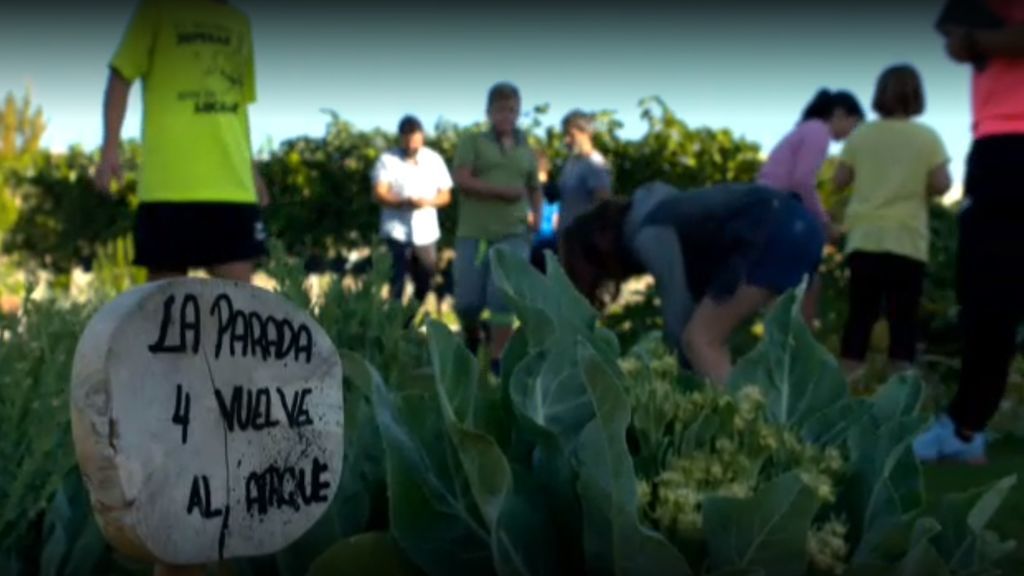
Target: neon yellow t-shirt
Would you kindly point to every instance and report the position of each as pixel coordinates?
(888, 207)
(195, 59)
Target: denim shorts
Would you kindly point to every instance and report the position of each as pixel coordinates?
(792, 248)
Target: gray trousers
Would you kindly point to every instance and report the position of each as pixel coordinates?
(475, 288)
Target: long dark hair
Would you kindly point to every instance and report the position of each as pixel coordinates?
(593, 251)
(826, 102)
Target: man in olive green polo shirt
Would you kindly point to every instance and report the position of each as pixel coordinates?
(496, 175)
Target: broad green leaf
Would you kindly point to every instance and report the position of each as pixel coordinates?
(434, 517)
(551, 393)
(514, 521)
(891, 545)
(884, 482)
(922, 560)
(486, 469)
(606, 342)
(362, 476)
(517, 349)
(568, 297)
(964, 517)
(73, 543)
(553, 294)
(548, 458)
(882, 518)
(768, 531)
(900, 397)
(832, 425)
(455, 372)
(615, 542)
(799, 377)
(368, 554)
(524, 540)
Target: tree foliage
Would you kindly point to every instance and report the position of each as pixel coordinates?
(320, 186)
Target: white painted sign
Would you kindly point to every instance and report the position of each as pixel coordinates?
(207, 419)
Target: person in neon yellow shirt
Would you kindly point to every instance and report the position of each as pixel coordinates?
(894, 164)
(200, 194)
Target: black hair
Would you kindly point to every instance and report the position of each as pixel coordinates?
(502, 91)
(409, 124)
(826, 102)
(594, 253)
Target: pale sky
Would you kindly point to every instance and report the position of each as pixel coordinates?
(751, 69)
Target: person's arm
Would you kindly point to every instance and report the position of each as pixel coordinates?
(939, 179)
(383, 193)
(843, 176)
(601, 182)
(657, 249)
(444, 187)
(468, 183)
(443, 198)
(130, 61)
(115, 105)
(261, 185)
(811, 155)
(533, 187)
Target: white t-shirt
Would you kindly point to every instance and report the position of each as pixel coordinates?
(423, 178)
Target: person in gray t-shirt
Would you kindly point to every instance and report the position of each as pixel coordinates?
(585, 179)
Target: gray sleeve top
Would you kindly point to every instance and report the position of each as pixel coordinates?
(695, 242)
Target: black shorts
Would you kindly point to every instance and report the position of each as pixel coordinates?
(172, 236)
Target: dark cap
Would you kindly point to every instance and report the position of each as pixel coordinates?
(409, 125)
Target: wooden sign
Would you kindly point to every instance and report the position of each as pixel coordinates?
(207, 419)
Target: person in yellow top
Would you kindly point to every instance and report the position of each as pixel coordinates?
(895, 164)
(199, 193)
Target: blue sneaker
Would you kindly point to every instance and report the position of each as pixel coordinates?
(940, 442)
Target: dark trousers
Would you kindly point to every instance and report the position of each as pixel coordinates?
(888, 282)
(537, 252)
(418, 261)
(990, 277)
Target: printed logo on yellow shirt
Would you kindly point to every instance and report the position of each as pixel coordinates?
(219, 55)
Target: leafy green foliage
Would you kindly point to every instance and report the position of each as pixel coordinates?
(579, 458)
(36, 351)
(320, 186)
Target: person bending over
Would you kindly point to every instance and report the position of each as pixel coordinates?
(718, 255)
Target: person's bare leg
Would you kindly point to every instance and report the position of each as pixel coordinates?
(237, 271)
(500, 335)
(811, 303)
(706, 337)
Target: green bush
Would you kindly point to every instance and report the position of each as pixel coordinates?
(320, 186)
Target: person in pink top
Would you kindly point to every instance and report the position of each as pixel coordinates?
(990, 278)
(795, 162)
